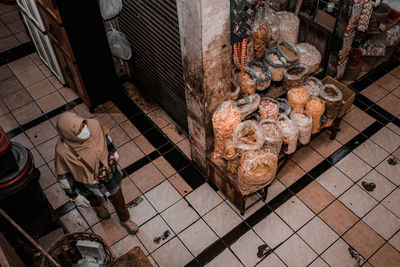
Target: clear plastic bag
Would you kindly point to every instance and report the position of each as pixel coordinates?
(110, 8)
(259, 34)
(313, 86)
(272, 22)
(248, 105)
(316, 108)
(290, 134)
(309, 56)
(273, 136)
(295, 76)
(289, 51)
(268, 109)
(224, 121)
(289, 26)
(248, 135)
(297, 97)
(119, 45)
(247, 84)
(276, 64)
(260, 73)
(303, 122)
(258, 168)
(333, 100)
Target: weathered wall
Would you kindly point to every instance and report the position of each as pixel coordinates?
(206, 54)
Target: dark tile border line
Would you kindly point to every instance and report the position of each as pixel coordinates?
(44, 117)
(227, 240)
(17, 53)
(160, 141)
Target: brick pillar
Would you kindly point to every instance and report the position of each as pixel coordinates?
(204, 27)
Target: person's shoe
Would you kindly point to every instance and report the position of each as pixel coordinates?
(102, 212)
(130, 226)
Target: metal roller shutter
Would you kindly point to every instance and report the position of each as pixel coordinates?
(151, 27)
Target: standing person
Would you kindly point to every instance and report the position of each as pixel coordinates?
(85, 162)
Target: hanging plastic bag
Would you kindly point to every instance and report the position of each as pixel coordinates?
(259, 34)
(119, 45)
(110, 8)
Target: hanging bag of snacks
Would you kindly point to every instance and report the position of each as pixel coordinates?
(224, 121)
(259, 34)
(295, 76)
(316, 108)
(313, 86)
(309, 56)
(243, 53)
(268, 109)
(276, 63)
(110, 8)
(289, 26)
(273, 136)
(260, 73)
(365, 17)
(290, 134)
(289, 51)
(333, 102)
(272, 23)
(303, 122)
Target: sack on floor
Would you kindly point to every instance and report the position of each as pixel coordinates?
(119, 45)
(110, 8)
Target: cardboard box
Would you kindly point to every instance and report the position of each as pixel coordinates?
(348, 94)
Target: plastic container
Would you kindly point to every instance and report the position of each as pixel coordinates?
(303, 122)
(284, 107)
(289, 51)
(316, 108)
(224, 120)
(313, 86)
(268, 109)
(381, 12)
(276, 64)
(297, 97)
(289, 132)
(295, 76)
(333, 100)
(273, 136)
(260, 73)
(354, 65)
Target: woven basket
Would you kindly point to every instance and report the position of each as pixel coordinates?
(65, 252)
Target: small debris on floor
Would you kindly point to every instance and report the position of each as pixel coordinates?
(368, 186)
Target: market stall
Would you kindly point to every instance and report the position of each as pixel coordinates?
(276, 106)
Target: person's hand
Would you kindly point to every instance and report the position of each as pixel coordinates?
(81, 201)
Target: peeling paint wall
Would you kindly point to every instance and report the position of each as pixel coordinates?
(204, 27)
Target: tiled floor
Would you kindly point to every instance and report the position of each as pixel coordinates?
(12, 30)
(317, 213)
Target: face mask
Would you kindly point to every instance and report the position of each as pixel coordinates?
(85, 133)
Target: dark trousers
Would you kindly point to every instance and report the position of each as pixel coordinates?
(118, 202)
